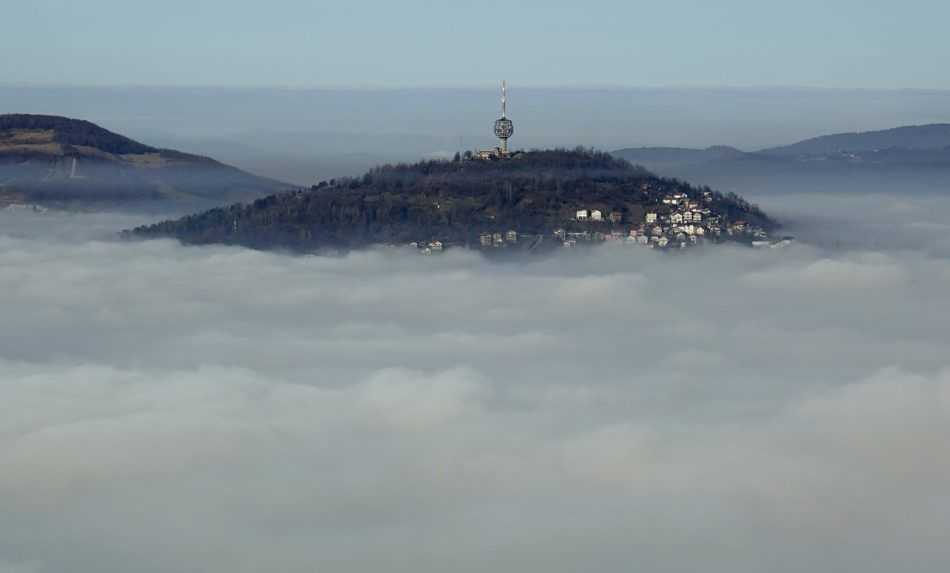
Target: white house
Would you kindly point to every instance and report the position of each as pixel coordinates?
(596, 215)
(651, 217)
(676, 218)
(581, 215)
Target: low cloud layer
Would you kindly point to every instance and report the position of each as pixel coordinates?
(167, 408)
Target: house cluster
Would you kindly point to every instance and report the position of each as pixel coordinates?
(496, 240)
(499, 240)
(21, 207)
(597, 216)
(428, 248)
(679, 221)
(675, 221)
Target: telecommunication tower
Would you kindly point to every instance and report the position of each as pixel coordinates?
(504, 128)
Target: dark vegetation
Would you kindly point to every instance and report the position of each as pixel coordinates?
(451, 201)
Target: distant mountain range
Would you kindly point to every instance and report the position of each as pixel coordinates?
(70, 163)
(912, 158)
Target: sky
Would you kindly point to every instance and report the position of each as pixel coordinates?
(376, 43)
(724, 410)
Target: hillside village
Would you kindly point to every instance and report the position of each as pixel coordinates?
(677, 221)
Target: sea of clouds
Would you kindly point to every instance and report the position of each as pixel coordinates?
(171, 408)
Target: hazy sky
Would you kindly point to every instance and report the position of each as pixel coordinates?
(845, 43)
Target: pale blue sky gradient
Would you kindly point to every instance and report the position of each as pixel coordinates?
(818, 43)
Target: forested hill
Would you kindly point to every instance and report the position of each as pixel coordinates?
(457, 203)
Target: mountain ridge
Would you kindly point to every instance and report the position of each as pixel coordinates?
(914, 137)
(914, 157)
(73, 163)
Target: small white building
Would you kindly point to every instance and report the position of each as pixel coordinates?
(676, 218)
(436, 245)
(651, 218)
(596, 215)
(582, 215)
(511, 236)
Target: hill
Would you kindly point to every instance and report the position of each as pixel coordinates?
(540, 197)
(915, 159)
(914, 137)
(70, 163)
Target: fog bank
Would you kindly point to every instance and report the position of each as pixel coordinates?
(218, 409)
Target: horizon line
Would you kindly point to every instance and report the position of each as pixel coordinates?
(473, 86)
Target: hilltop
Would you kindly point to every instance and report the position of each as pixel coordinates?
(71, 163)
(538, 198)
(910, 158)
